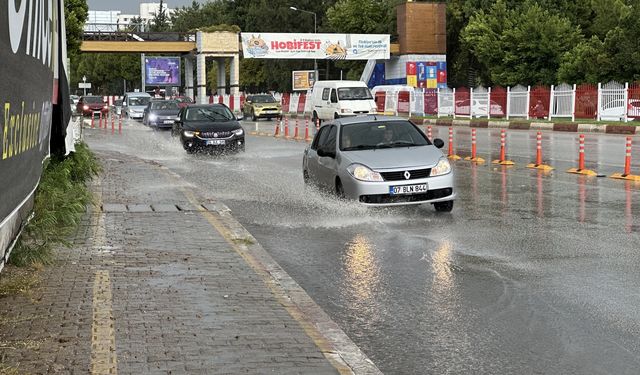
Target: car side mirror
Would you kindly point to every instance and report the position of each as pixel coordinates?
(439, 143)
(239, 116)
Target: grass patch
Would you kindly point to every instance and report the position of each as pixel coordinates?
(60, 203)
(19, 281)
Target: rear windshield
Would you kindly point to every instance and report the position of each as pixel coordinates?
(380, 134)
(211, 113)
(164, 105)
(139, 100)
(92, 99)
(354, 93)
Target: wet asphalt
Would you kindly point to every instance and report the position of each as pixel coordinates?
(531, 273)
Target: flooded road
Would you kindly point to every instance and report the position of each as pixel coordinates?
(530, 273)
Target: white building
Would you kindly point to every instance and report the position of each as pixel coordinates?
(112, 20)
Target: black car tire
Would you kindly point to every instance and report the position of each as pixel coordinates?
(305, 177)
(339, 189)
(443, 206)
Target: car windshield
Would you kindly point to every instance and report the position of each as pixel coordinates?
(380, 134)
(263, 99)
(139, 100)
(354, 93)
(164, 105)
(92, 99)
(212, 113)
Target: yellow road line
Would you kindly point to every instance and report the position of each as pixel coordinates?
(103, 339)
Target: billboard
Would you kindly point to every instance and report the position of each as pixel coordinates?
(426, 74)
(315, 46)
(34, 97)
(162, 71)
(303, 80)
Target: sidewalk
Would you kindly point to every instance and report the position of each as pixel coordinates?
(159, 281)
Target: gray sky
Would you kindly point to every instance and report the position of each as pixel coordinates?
(133, 6)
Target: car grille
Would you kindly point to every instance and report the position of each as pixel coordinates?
(399, 175)
(269, 109)
(387, 199)
(360, 111)
(215, 134)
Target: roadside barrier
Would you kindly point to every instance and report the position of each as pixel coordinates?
(626, 175)
(581, 169)
(503, 146)
(539, 164)
(474, 157)
(452, 154)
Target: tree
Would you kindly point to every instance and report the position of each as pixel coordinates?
(160, 20)
(523, 45)
(75, 13)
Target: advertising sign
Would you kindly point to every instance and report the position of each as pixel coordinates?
(35, 109)
(303, 80)
(315, 46)
(162, 71)
(422, 71)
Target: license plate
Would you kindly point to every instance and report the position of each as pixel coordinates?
(168, 121)
(216, 142)
(408, 189)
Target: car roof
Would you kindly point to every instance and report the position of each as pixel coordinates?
(207, 105)
(137, 94)
(366, 119)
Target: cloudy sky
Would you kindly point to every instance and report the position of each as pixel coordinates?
(133, 6)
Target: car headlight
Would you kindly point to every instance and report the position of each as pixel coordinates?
(188, 133)
(86, 107)
(443, 167)
(153, 117)
(364, 173)
(238, 131)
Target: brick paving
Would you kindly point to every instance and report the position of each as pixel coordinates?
(183, 300)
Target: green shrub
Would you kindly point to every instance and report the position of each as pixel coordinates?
(60, 202)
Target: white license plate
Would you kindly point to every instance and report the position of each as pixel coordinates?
(168, 121)
(216, 142)
(408, 189)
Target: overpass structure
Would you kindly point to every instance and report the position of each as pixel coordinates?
(193, 47)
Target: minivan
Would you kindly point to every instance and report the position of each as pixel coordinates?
(134, 103)
(334, 99)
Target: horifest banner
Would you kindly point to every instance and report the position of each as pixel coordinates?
(316, 46)
(34, 105)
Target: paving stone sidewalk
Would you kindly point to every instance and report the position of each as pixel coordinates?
(150, 286)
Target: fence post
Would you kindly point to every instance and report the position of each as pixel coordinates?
(551, 102)
(599, 101)
(489, 103)
(573, 103)
(508, 101)
(626, 101)
(528, 100)
(454, 103)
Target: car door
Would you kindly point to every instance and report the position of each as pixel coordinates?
(312, 154)
(327, 165)
(322, 105)
(333, 105)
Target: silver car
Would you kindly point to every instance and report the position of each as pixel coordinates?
(380, 161)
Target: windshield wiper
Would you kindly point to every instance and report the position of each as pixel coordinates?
(213, 118)
(403, 144)
(358, 147)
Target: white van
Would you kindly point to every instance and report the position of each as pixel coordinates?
(334, 99)
(134, 103)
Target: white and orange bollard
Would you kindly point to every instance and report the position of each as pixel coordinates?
(307, 136)
(581, 169)
(452, 155)
(93, 119)
(429, 133)
(474, 157)
(539, 164)
(120, 124)
(286, 128)
(113, 123)
(296, 131)
(276, 133)
(503, 150)
(626, 175)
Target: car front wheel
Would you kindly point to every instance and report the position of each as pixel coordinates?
(443, 206)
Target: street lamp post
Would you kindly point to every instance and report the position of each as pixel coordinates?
(84, 81)
(315, 31)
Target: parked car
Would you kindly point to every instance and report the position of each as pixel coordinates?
(261, 106)
(183, 101)
(134, 103)
(209, 127)
(91, 104)
(161, 113)
(334, 99)
(614, 110)
(380, 161)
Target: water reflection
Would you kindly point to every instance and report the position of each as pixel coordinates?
(441, 266)
(540, 194)
(582, 197)
(628, 212)
(362, 273)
